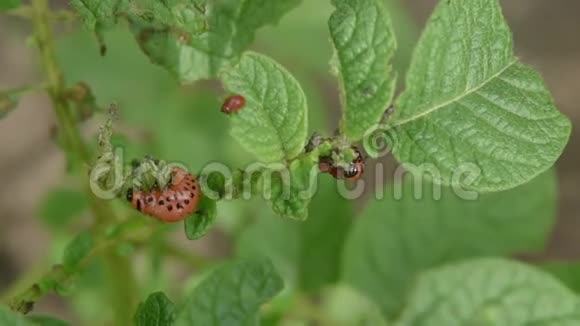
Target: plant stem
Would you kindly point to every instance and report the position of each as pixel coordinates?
(56, 87)
(123, 285)
(128, 232)
(136, 231)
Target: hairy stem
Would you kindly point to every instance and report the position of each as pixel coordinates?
(123, 285)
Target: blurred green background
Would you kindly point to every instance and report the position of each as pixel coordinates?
(183, 123)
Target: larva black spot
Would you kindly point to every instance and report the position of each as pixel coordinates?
(161, 202)
(179, 206)
(130, 194)
(139, 205)
(169, 207)
(186, 202)
(191, 195)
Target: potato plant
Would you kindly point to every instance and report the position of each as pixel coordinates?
(314, 234)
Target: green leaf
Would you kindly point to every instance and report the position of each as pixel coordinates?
(7, 103)
(157, 310)
(292, 189)
(365, 44)
(470, 101)
(273, 123)
(199, 223)
(46, 321)
(231, 26)
(567, 272)
(182, 17)
(490, 292)
(282, 237)
(9, 4)
(399, 236)
(322, 237)
(61, 206)
(308, 253)
(9, 318)
(175, 15)
(77, 250)
(232, 294)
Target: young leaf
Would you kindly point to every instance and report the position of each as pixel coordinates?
(60, 206)
(490, 292)
(199, 223)
(9, 4)
(232, 294)
(77, 250)
(273, 122)
(365, 44)
(470, 101)
(397, 238)
(230, 30)
(157, 310)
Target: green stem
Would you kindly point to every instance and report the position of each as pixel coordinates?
(56, 86)
(123, 284)
(129, 231)
(136, 231)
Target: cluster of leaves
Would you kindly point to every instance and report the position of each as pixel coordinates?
(468, 100)
(508, 127)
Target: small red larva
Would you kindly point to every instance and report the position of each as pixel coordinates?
(172, 204)
(325, 164)
(353, 171)
(233, 104)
